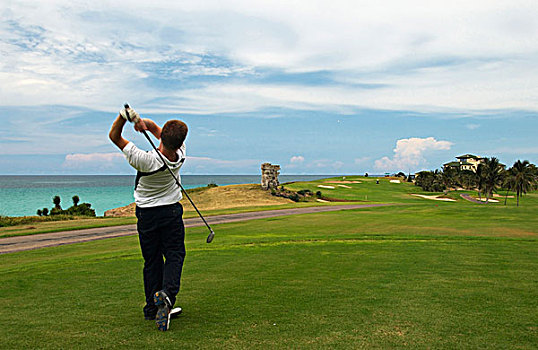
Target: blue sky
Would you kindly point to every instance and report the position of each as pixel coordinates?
(318, 87)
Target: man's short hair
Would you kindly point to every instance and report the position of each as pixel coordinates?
(173, 134)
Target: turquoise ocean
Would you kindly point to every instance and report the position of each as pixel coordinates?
(22, 195)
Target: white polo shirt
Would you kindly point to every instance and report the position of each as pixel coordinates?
(154, 188)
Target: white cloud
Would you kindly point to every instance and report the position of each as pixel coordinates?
(94, 161)
(472, 126)
(326, 164)
(410, 153)
(297, 159)
(422, 55)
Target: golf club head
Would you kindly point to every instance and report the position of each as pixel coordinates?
(210, 237)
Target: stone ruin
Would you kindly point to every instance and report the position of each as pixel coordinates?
(270, 176)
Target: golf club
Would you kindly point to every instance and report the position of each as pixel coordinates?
(211, 233)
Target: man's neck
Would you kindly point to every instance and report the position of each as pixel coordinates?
(169, 154)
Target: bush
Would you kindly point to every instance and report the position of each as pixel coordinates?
(305, 192)
(211, 185)
(318, 194)
(39, 212)
(84, 209)
(294, 197)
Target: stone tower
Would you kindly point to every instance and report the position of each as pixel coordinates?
(270, 176)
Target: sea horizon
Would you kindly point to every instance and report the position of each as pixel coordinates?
(23, 195)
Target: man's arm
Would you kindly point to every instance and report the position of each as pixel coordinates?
(115, 133)
(150, 125)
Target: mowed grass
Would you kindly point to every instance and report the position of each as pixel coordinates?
(423, 275)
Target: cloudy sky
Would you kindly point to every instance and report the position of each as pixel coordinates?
(319, 87)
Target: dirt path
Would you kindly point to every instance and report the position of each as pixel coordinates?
(21, 243)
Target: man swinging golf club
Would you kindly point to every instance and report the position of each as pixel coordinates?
(160, 224)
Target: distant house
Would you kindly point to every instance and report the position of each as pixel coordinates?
(466, 162)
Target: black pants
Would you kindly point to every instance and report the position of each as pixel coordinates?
(162, 234)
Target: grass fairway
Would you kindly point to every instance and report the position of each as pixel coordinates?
(421, 275)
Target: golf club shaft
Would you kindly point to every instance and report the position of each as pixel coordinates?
(210, 237)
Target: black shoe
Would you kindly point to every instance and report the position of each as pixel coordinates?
(162, 319)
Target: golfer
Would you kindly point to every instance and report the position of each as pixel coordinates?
(160, 224)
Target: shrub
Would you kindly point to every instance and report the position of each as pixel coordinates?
(305, 192)
(56, 200)
(294, 197)
(211, 185)
(39, 212)
(318, 194)
(84, 209)
(45, 211)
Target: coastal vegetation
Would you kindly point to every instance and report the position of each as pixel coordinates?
(84, 209)
(490, 177)
(418, 274)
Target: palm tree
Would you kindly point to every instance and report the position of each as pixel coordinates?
(479, 179)
(75, 200)
(508, 183)
(493, 175)
(56, 200)
(522, 177)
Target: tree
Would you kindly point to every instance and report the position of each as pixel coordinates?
(56, 200)
(45, 211)
(522, 178)
(430, 181)
(448, 178)
(39, 212)
(479, 179)
(493, 176)
(75, 200)
(466, 179)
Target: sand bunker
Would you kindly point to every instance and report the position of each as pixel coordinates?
(343, 182)
(501, 196)
(435, 198)
(395, 181)
(484, 199)
(344, 186)
(322, 201)
(329, 187)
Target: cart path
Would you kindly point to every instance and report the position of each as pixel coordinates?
(470, 199)
(42, 240)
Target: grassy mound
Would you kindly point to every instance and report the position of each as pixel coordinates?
(217, 198)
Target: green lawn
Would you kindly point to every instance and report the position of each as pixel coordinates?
(421, 275)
